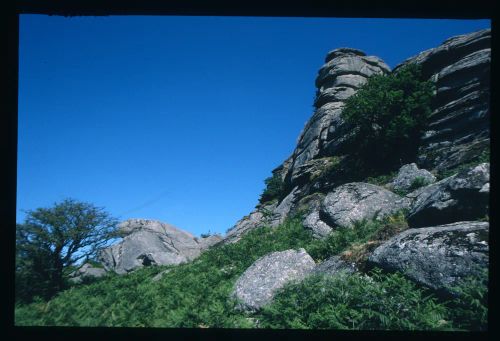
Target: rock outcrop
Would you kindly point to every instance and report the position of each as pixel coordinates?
(463, 196)
(437, 257)
(259, 283)
(459, 128)
(358, 201)
(458, 132)
(446, 242)
(151, 242)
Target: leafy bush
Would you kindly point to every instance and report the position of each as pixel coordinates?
(354, 302)
(274, 188)
(388, 114)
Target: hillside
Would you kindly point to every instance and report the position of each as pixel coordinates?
(378, 219)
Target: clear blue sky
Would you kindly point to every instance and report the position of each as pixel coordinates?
(174, 118)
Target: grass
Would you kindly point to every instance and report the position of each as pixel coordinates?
(197, 294)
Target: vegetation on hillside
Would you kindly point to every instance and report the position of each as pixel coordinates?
(388, 115)
(197, 294)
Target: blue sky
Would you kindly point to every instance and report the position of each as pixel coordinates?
(177, 118)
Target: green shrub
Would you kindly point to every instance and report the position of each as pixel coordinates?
(274, 188)
(418, 182)
(388, 114)
(354, 301)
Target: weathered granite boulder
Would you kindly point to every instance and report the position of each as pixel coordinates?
(407, 176)
(333, 266)
(464, 196)
(259, 283)
(149, 242)
(86, 270)
(357, 201)
(437, 257)
(318, 227)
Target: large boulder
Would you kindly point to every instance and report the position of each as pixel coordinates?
(259, 283)
(149, 242)
(437, 257)
(358, 201)
(464, 196)
(408, 175)
(318, 227)
(352, 202)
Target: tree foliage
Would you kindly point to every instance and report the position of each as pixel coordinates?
(51, 240)
(388, 115)
(274, 188)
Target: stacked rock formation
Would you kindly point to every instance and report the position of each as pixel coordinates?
(344, 72)
(459, 129)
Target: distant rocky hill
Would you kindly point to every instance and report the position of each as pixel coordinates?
(447, 213)
(151, 242)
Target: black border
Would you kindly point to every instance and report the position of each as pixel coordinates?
(435, 9)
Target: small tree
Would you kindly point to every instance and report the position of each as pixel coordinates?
(389, 114)
(51, 240)
(274, 188)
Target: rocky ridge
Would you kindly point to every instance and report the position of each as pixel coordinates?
(444, 193)
(458, 133)
(431, 254)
